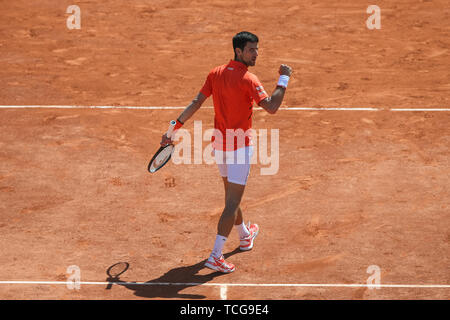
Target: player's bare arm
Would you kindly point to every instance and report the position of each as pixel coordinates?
(273, 103)
(190, 110)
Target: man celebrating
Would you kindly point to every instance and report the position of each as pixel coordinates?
(234, 90)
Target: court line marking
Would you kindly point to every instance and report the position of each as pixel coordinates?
(209, 107)
(418, 109)
(223, 292)
(222, 285)
(96, 107)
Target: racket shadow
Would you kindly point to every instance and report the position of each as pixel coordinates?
(186, 274)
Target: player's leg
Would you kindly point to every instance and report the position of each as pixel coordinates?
(239, 215)
(216, 261)
(233, 198)
(247, 233)
(239, 223)
(238, 173)
(235, 177)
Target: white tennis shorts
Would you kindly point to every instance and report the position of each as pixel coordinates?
(235, 165)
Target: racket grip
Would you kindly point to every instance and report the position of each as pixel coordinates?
(171, 126)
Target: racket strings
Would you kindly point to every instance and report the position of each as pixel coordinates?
(161, 158)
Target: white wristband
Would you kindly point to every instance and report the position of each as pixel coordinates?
(283, 81)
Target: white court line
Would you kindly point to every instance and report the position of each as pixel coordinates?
(96, 107)
(190, 284)
(222, 285)
(223, 292)
(327, 109)
(209, 107)
(418, 109)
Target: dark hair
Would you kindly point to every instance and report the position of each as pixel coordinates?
(241, 39)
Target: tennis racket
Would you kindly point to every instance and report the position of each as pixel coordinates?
(115, 271)
(163, 155)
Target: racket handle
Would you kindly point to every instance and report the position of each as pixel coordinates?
(171, 126)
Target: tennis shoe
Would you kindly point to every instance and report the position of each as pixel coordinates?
(219, 264)
(246, 243)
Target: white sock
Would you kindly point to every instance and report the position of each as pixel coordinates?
(242, 230)
(218, 246)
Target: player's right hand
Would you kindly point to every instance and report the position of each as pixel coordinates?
(285, 70)
(165, 140)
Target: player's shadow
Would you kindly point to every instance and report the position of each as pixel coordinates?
(187, 277)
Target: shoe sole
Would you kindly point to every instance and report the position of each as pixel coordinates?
(210, 266)
(251, 247)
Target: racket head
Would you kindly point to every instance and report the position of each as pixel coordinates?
(161, 157)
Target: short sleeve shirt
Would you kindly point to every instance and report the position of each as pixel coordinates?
(234, 90)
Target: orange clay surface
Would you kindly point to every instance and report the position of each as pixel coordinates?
(354, 188)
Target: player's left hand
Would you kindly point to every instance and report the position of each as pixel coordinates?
(285, 70)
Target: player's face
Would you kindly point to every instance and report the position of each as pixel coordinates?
(250, 53)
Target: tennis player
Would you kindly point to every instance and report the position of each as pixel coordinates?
(234, 90)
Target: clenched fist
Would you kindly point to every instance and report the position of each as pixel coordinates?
(285, 70)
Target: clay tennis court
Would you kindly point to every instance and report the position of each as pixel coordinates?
(364, 140)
